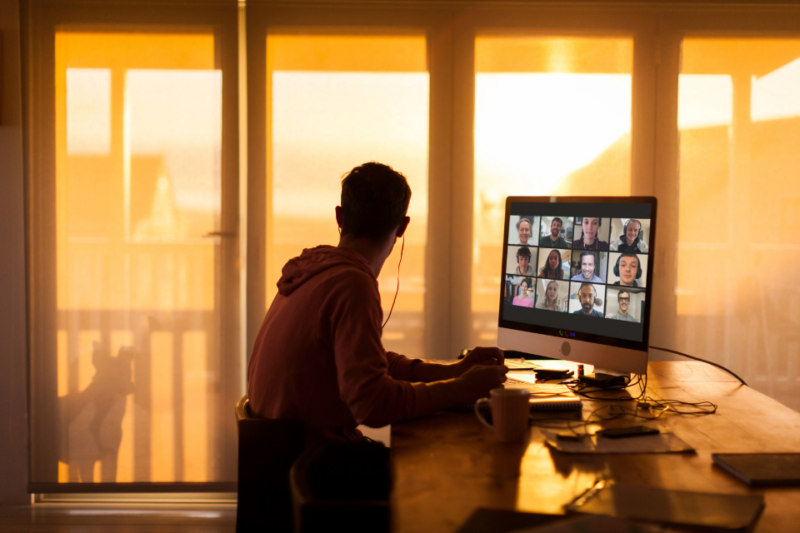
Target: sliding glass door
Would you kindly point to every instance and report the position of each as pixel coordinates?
(135, 360)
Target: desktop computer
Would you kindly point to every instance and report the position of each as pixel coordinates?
(577, 279)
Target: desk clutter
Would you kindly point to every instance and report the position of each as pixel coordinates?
(626, 420)
(656, 443)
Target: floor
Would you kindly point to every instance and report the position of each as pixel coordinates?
(119, 518)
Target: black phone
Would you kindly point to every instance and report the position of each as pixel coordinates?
(552, 373)
(633, 431)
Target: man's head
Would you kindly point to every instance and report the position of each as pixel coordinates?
(624, 299)
(587, 295)
(555, 227)
(523, 259)
(590, 227)
(588, 261)
(374, 201)
(632, 230)
(628, 269)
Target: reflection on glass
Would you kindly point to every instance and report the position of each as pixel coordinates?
(337, 102)
(552, 117)
(739, 119)
(138, 140)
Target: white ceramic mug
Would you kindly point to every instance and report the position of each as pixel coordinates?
(510, 413)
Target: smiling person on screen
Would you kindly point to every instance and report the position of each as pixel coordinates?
(588, 260)
(554, 240)
(587, 295)
(318, 356)
(624, 300)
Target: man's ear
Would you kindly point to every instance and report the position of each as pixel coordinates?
(339, 216)
(401, 229)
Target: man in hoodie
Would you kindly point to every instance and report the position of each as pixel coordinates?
(318, 356)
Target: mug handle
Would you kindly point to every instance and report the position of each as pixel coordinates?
(478, 412)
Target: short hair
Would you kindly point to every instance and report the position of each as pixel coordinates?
(594, 291)
(374, 200)
(559, 221)
(524, 219)
(629, 254)
(620, 294)
(524, 252)
(585, 253)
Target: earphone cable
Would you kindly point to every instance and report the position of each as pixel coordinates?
(397, 291)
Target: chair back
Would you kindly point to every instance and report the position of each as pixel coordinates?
(267, 451)
(342, 487)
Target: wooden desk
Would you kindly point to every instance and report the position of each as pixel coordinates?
(447, 465)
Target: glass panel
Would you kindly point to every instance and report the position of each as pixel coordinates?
(739, 119)
(138, 144)
(335, 102)
(552, 117)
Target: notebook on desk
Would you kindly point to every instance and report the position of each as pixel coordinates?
(544, 396)
(761, 469)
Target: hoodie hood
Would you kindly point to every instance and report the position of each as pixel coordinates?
(313, 261)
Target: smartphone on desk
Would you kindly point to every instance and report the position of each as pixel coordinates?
(622, 433)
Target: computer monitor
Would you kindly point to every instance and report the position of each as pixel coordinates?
(577, 279)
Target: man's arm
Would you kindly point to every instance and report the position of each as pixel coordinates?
(430, 372)
(352, 316)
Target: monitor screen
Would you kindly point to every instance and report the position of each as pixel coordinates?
(579, 268)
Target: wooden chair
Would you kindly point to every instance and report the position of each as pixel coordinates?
(267, 450)
(342, 487)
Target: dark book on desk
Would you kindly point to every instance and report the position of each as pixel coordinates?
(761, 469)
(504, 521)
(711, 512)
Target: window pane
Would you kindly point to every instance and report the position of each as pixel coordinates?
(338, 101)
(739, 119)
(552, 117)
(138, 149)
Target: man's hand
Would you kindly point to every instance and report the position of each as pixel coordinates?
(479, 356)
(480, 379)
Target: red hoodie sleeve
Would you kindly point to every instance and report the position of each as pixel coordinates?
(400, 366)
(351, 320)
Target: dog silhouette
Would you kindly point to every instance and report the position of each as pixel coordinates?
(91, 420)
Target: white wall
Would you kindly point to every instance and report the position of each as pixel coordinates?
(13, 337)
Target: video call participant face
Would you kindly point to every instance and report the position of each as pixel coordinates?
(632, 231)
(523, 289)
(624, 299)
(590, 228)
(587, 295)
(555, 228)
(524, 229)
(552, 291)
(552, 261)
(523, 259)
(628, 269)
(587, 265)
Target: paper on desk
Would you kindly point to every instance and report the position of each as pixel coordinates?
(661, 443)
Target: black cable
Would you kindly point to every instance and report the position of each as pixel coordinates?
(701, 360)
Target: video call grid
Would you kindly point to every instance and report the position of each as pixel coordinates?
(602, 252)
